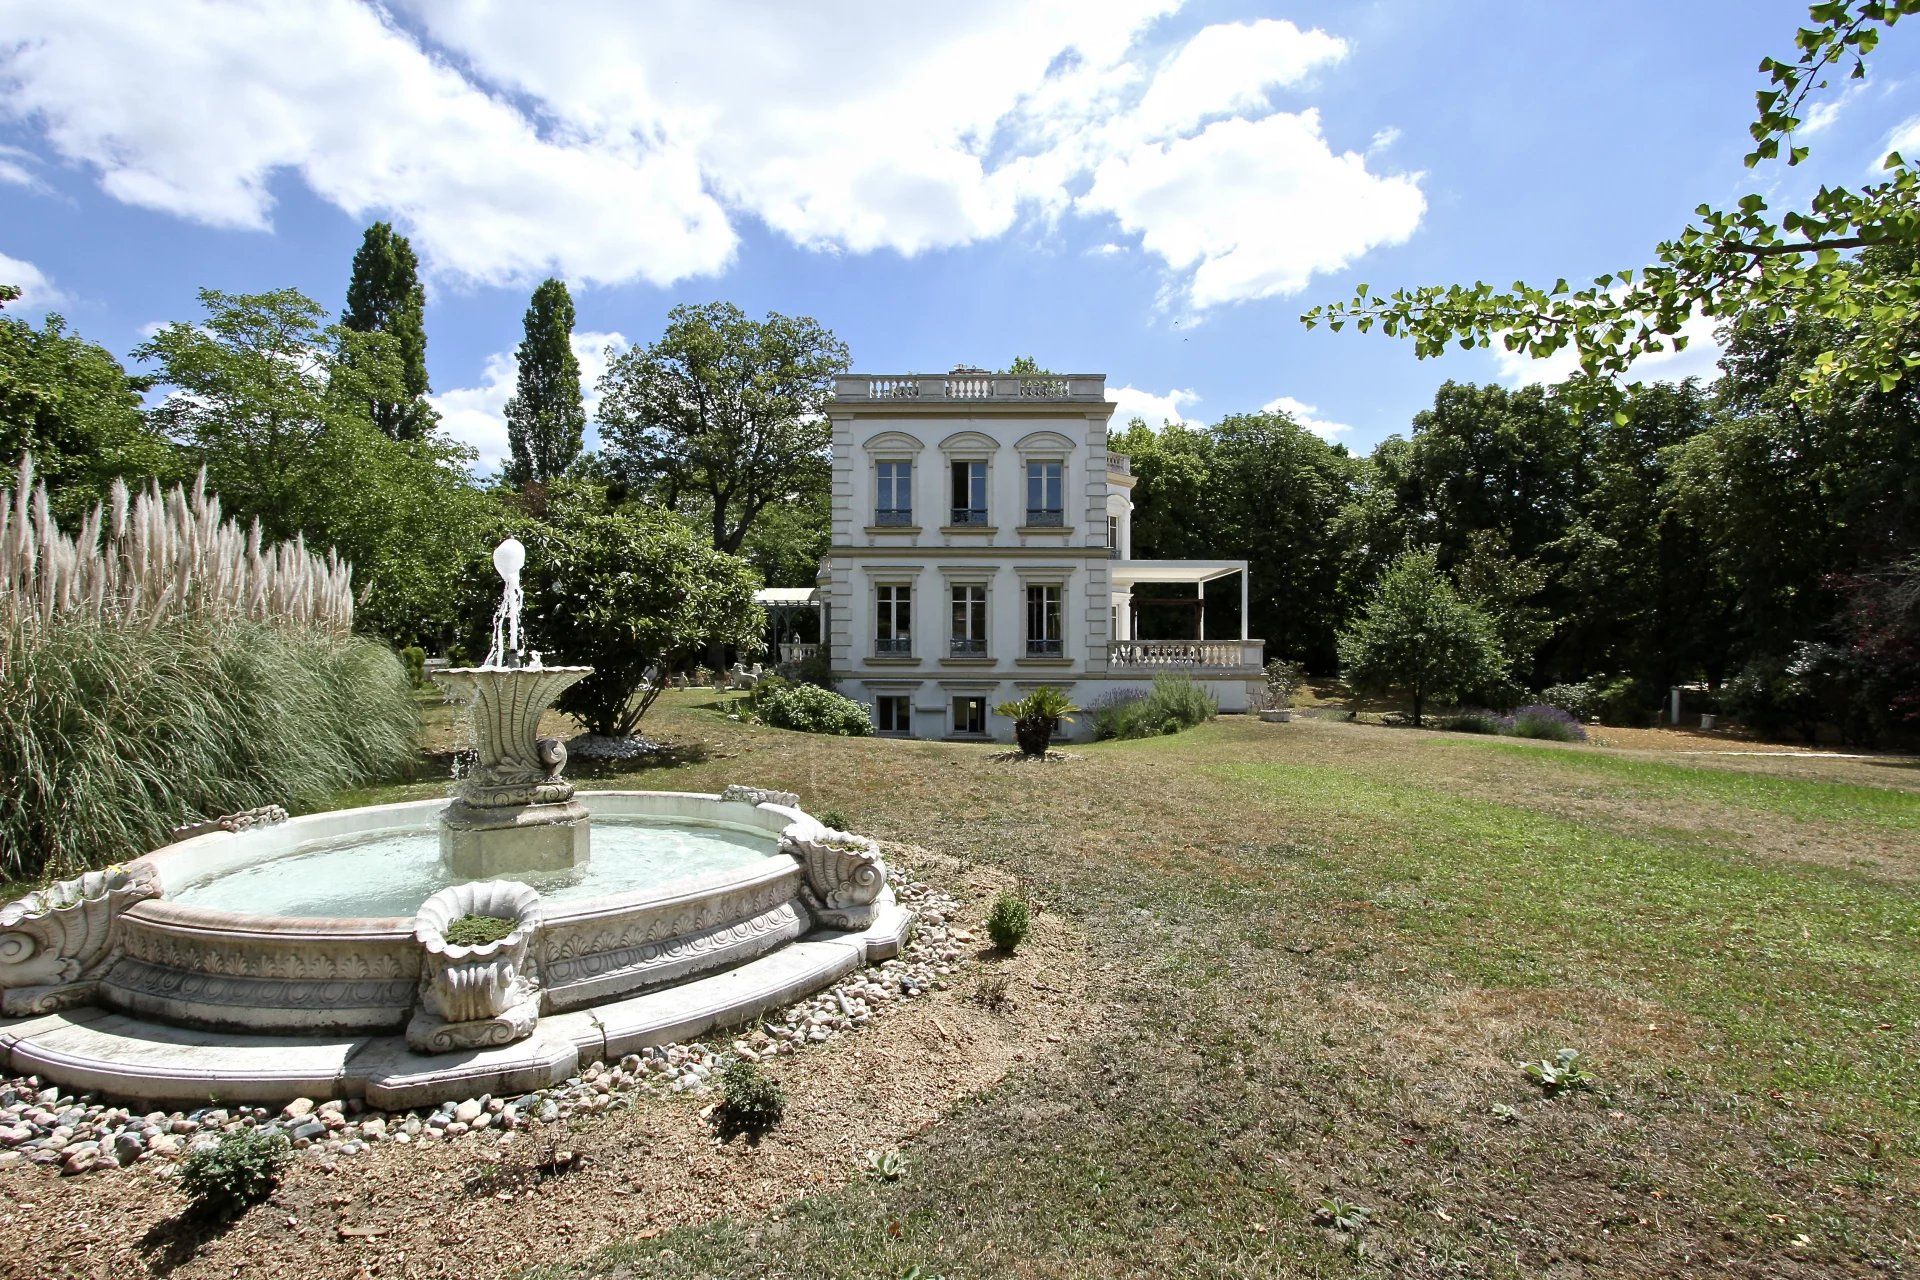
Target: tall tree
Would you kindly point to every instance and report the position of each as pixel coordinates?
(1417, 639)
(262, 398)
(71, 405)
(725, 410)
(546, 423)
(384, 296)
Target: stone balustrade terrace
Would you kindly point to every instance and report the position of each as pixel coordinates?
(1187, 657)
(1014, 388)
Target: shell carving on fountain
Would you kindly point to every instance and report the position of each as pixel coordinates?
(473, 997)
(513, 766)
(844, 875)
(55, 942)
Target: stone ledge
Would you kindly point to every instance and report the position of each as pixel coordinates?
(129, 1059)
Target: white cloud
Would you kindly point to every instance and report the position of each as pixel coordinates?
(1306, 415)
(1152, 409)
(15, 168)
(1700, 360)
(476, 415)
(1254, 208)
(625, 141)
(1383, 139)
(36, 290)
(1905, 139)
(1821, 116)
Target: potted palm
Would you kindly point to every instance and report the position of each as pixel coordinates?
(1036, 718)
(1283, 681)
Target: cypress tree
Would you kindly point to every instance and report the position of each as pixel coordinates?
(385, 296)
(546, 424)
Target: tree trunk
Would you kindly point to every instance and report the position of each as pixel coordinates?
(1418, 702)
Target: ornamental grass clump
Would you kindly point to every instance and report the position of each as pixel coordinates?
(1549, 723)
(162, 667)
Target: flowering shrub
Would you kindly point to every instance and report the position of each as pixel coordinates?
(1542, 721)
(811, 709)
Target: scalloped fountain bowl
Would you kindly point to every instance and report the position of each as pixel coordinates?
(283, 960)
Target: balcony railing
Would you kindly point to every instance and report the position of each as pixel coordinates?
(797, 650)
(1121, 463)
(1044, 648)
(1046, 517)
(969, 515)
(1231, 656)
(968, 385)
(967, 646)
(893, 646)
(893, 516)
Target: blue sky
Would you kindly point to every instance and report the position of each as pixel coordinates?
(1139, 187)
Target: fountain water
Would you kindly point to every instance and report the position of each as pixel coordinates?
(513, 813)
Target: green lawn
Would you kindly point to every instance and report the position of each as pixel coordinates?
(1321, 951)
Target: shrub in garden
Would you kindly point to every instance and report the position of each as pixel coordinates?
(241, 1169)
(1009, 921)
(1036, 718)
(1113, 713)
(751, 1101)
(1541, 721)
(1581, 701)
(811, 709)
(129, 706)
(414, 659)
(1283, 679)
(1476, 720)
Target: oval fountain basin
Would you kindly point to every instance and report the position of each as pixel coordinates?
(308, 925)
(390, 873)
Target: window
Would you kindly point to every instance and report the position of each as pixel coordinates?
(969, 636)
(893, 621)
(893, 494)
(1043, 622)
(969, 493)
(1046, 494)
(1113, 536)
(893, 713)
(970, 715)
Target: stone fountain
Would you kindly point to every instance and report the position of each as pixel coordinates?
(513, 813)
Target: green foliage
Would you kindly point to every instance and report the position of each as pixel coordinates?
(1580, 700)
(1560, 1073)
(70, 404)
(1475, 720)
(1283, 680)
(1174, 703)
(811, 709)
(273, 403)
(414, 659)
(751, 1101)
(1418, 640)
(1342, 1215)
(1260, 487)
(884, 1166)
(546, 422)
(384, 297)
(1037, 717)
(240, 1170)
(1733, 263)
(726, 412)
(837, 819)
(1009, 921)
(110, 735)
(1545, 722)
(477, 931)
(627, 591)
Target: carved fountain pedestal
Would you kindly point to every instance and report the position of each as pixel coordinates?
(513, 813)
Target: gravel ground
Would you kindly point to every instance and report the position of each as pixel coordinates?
(492, 1186)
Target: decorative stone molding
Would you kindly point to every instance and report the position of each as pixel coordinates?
(759, 795)
(512, 767)
(844, 875)
(55, 943)
(267, 815)
(481, 996)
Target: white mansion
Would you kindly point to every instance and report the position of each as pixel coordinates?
(981, 540)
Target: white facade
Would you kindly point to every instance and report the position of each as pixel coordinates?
(971, 557)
